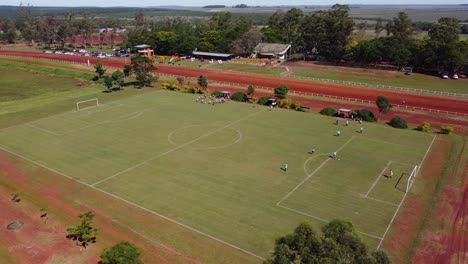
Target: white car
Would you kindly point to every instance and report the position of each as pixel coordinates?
(101, 56)
(445, 76)
(455, 76)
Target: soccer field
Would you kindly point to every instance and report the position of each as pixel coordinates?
(217, 169)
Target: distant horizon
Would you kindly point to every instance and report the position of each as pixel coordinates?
(228, 3)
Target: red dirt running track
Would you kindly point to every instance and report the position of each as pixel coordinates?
(414, 100)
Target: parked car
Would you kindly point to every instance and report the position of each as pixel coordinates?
(445, 76)
(455, 76)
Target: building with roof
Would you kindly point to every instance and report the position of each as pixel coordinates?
(271, 50)
(211, 55)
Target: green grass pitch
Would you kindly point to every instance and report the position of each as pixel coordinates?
(217, 169)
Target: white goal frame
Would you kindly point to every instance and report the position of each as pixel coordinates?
(86, 101)
(411, 178)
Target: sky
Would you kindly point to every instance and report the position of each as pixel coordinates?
(143, 3)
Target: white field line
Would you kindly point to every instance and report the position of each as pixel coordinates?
(135, 205)
(310, 175)
(377, 180)
(387, 142)
(42, 129)
(74, 111)
(381, 201)
(404, 196)
(176, 148)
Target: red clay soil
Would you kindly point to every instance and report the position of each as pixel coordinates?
(447, 241)
(413, 100)
(413, 118)
(407, 222)
(38, 242)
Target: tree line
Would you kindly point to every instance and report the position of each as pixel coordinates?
(327, 35)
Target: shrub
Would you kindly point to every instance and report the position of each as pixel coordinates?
(239, 96)
(329, 111)
(263, 100)
(296, 106)
(170, 86)
(285, 103)
(398, 122)
(217, 94)
(193, 90)
(281, 91)
(365, 115)
(446, 129)
(424, 127)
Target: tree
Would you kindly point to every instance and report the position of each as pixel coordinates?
(181, 80)
(290, 28)
(121, 253)
(339, 243)
(250, 90)
(398, 122)
(108, 82)
(401, 28)
(142, 66)
(127, 70)
(203, 81)
(140, 18)
(281, 91)
(83, 233)
(245, 44)
(99, 69)
(328, 32)
(379, 27)
(119, 78)
(383, 104)
(443, 47)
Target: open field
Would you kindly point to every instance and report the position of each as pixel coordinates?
(216, 169)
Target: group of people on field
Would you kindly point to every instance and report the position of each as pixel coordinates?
(338, 133)
(212, 100)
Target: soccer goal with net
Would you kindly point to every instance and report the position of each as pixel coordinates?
(411, 178)
(86, 104)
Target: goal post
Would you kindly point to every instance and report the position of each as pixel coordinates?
(411, 178)
(86, 104)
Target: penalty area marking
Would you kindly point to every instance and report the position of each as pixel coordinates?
(404, 196)
(378, 178)
(133, 204)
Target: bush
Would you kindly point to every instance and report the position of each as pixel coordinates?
(446, 129)
(365, 115)
(170, 86)
(263, 100)
(193, 90)
(281, 91)
(424, 127)
(329, 111)
(239, 96)
(398, 122)
(217, 94)
(296, 106)
(285, 103)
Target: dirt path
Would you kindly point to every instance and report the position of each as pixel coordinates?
(413, 100)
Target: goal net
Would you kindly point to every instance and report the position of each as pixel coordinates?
(411, 178)
(82, 105)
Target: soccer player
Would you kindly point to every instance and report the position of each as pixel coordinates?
(361, 129)
(334, 155)
(337, 122)
(347, 123)
(338, 133)
(285, 167)
(312, 151)
(391, 173)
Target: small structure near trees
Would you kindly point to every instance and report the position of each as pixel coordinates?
(144, 50)
(271, 50)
